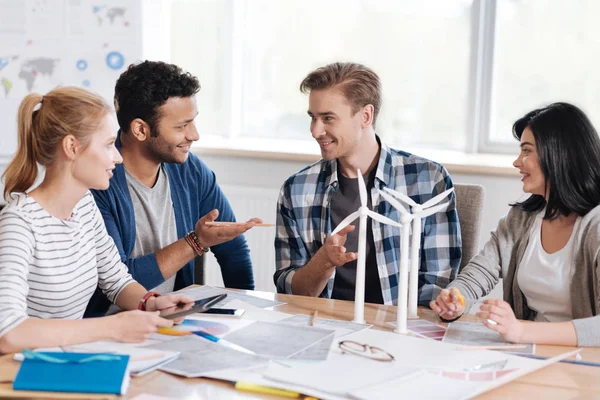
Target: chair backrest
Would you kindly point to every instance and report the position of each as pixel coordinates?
(469, 206)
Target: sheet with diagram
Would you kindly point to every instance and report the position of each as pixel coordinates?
(276, 340)
(199, 357)
(477, 334)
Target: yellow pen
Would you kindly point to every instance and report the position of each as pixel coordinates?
(251, 387)
(461, 299)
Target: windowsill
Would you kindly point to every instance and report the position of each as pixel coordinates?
(456, 162)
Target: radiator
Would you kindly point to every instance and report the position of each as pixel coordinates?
(249, 202)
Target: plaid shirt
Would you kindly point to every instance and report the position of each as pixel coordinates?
(303, 222)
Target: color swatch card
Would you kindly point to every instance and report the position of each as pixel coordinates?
(215, 326)
(425, 329)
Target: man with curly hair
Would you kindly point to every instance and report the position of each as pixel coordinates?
(161, 197)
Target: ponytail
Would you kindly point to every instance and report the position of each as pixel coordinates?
(22, 171)
(63, 111)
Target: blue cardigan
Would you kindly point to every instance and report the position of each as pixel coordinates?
(194, 192)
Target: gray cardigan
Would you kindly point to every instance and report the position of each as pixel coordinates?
(502, 254)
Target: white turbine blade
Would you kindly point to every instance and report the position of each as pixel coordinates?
(383, 219)
(432, 210)
(362, 189)
(437, 198)
(401, 196)
(345, 222)
(395, 203)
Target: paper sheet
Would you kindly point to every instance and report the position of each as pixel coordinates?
(477, 334)
(340, 327)
(276, 340)
(201, 292)
(256, 313)
(340, 376)
(199, 357)
(141, 360)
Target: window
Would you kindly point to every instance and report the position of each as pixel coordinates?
(455, 73)
(545, 51)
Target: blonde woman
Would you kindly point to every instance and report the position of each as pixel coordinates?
(54, 248)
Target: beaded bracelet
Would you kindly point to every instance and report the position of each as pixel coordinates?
(192, 240)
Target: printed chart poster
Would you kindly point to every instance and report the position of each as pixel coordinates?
(50, 43)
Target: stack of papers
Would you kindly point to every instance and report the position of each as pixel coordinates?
(141, 360)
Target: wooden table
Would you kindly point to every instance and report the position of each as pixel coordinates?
(558, 381)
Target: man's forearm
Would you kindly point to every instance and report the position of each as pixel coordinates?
(311, 279)
(172, 258)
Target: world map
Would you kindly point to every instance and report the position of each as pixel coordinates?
(29, 71)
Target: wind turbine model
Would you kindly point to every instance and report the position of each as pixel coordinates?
(361, 213)
(419, 211)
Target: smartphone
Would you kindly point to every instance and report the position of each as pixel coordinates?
(232, 312)
(199, 306)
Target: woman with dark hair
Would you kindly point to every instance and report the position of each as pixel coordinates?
(547, 247)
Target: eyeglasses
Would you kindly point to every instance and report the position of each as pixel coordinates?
(365, 350)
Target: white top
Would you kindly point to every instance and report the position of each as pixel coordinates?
(545, 279)
(49, 268)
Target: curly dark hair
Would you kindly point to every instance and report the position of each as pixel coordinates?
(143, 88)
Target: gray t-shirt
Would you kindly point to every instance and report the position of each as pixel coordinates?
(345, 201)
(154, 219)
(154, 222)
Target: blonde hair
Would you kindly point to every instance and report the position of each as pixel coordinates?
(358, 84)
(63, 111)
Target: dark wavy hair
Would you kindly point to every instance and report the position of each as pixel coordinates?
(143, 88)
(568, 149)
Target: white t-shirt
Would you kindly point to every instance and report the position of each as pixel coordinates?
(545, 279)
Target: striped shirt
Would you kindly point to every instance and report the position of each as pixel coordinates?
(304, 221)
(49, 268)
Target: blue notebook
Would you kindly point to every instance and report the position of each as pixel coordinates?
(73, 372)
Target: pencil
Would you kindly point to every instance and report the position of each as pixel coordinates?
(461, 299)
(226, 223)
(314, 318)
(254, 388)
(576, 362)
(499, 347)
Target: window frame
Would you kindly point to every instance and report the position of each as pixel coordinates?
(480, 107)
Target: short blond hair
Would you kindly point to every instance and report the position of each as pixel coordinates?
(358, 84)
